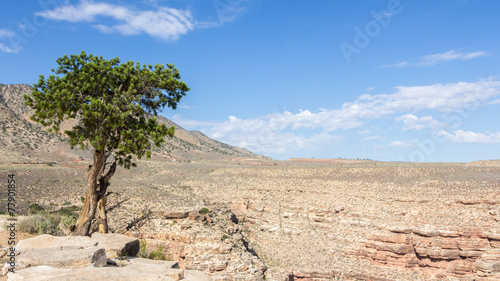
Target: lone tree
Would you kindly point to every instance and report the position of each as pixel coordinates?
(115, 107)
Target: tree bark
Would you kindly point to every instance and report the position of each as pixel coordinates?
(102, 220)
(82, 227)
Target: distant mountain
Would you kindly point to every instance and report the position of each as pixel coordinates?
(23, 140)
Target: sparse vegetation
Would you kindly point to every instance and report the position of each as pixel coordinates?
(157, 254)
(35, 208)
(40, 223)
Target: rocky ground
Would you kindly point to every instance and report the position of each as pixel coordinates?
(286, 220)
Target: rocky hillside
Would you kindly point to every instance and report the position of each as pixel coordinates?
(22, 140)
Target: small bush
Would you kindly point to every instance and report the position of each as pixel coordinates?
(143, 249)
(40, 224)
(224, 237)
(35, 209)
(66, 203)
(157, 254)
(68, 212)
(68, 221)
(204, 211)
(49, 225)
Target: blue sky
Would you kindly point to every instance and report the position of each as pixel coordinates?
(386, 80)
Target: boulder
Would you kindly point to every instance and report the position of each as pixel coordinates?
(117, 245)
(63, 256)
(176, 215)
(196, 216)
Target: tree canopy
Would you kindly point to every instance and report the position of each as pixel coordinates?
(112, 102)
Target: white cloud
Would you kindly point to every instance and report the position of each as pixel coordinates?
(6, 33)
(470, 137)
(164, 23)
(412, 122)
(450, 55)
(400, 64)
(228, 11)
(191, 123)
(372, 138)
(6, 49)
(495, 102)
(279, 132)
(434, 59)
(412, 143)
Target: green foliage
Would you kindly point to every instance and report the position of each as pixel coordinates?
(143, 249)
(224, 237)
(48, 225)
(69, 212)
(40, 223)
(154, 255)
(35, 208)
(157, 254)
(115, 103)
(204, 211)
(68, 221)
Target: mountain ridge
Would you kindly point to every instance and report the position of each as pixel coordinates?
(25, 140)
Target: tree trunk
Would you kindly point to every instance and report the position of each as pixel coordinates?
(102, 218)
(82, 227)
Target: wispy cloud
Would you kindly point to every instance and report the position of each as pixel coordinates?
(434, 59)
(470, 137)
(412, 122)
(372, 138)
(279, 132)
(5, 33)
(230, 10)
(412, 143)
(164, 23)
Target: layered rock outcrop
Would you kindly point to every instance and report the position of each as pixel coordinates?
(211, 243)
(437, 252)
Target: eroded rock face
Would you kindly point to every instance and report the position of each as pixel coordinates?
(438, 252)
(211, 244)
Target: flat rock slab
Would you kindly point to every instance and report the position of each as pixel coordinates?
(49, 241)
(130, 271)
(114, 244)
(65, 256)
(117, 244)
(127, 273)
(167, 264)
(176, 214)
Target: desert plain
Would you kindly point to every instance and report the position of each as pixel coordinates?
(304, 219)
